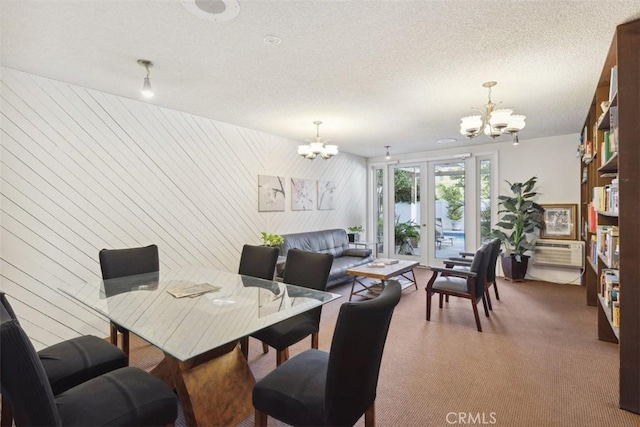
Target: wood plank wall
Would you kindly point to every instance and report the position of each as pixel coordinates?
(83, 170)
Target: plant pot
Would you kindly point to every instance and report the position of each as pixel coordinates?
(513, 269)
(352, 237)
(456, 225)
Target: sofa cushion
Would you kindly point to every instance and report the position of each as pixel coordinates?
(362, 253)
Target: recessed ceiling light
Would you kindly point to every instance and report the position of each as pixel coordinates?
(272, 40)
(213, 10)
(446, 140)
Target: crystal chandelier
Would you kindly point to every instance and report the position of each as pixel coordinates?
(317, 147)
(491, 121)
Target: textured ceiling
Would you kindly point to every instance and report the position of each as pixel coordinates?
(398, 73)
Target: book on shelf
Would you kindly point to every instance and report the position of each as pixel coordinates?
(615, 313)
(607, 243)
(614, 196)
(593, 250)
(605, 198)
(613, 137)
(613, 83)
(605, 148)
(610, 286)
(593, 218)
(588, 152)
(609, 278)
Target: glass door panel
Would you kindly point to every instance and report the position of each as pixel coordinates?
(449, 197)
(379, 210)
(406, 211)
(485, 200)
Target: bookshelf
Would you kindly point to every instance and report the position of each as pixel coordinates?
(610, 196)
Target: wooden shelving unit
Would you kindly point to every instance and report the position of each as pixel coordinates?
(626, 165)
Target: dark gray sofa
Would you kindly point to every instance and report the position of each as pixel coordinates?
(334, 242)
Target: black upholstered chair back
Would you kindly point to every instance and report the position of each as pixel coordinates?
(309, 270)
(479, 266)
(356, 353)
(129, 262)
(23, 378)
(5, 303)
(258, 261)
(493, 259)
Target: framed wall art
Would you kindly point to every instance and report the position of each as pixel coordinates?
(302, 194)
(271, 194)
(326, 193)
(560, 221)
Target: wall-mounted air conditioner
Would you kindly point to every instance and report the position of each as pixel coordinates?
(559, 253)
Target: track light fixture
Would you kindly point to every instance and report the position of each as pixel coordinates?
(147, 91)
(388, 156)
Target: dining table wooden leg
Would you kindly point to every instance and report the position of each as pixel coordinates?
(214, 392)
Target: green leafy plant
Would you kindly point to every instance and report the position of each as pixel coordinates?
(269, 239)
(452, 194)
(356, 229)
(406, 186)
(522, 217)
(404, 232)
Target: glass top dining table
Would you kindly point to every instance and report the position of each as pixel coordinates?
(189, 326)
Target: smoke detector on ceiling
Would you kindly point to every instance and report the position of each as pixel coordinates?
(213, 10)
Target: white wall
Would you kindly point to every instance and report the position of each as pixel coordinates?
(553, 160)
(83, 170)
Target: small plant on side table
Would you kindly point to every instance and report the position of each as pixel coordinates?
(354, 233)
(269, 239)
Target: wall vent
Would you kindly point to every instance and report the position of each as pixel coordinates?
(559, 253)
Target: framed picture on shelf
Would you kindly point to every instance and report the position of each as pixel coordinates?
(560, 221)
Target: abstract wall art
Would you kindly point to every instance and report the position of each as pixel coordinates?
(271, 194)
(326, 195)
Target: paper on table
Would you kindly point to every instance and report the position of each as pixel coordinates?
(387, 261)
(183, 288)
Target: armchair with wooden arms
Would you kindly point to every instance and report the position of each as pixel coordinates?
(465, 260)
(457, 282)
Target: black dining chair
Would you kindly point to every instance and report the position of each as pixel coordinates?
(305, 269)
(316, 388)
(260, 262)
(123, 397)
(458, 283)
(116, 263)
(69, 363)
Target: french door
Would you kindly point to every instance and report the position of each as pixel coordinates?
(434, 209)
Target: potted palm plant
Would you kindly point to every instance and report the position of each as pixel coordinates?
(521, 218)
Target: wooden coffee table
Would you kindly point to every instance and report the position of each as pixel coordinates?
(401, 268)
